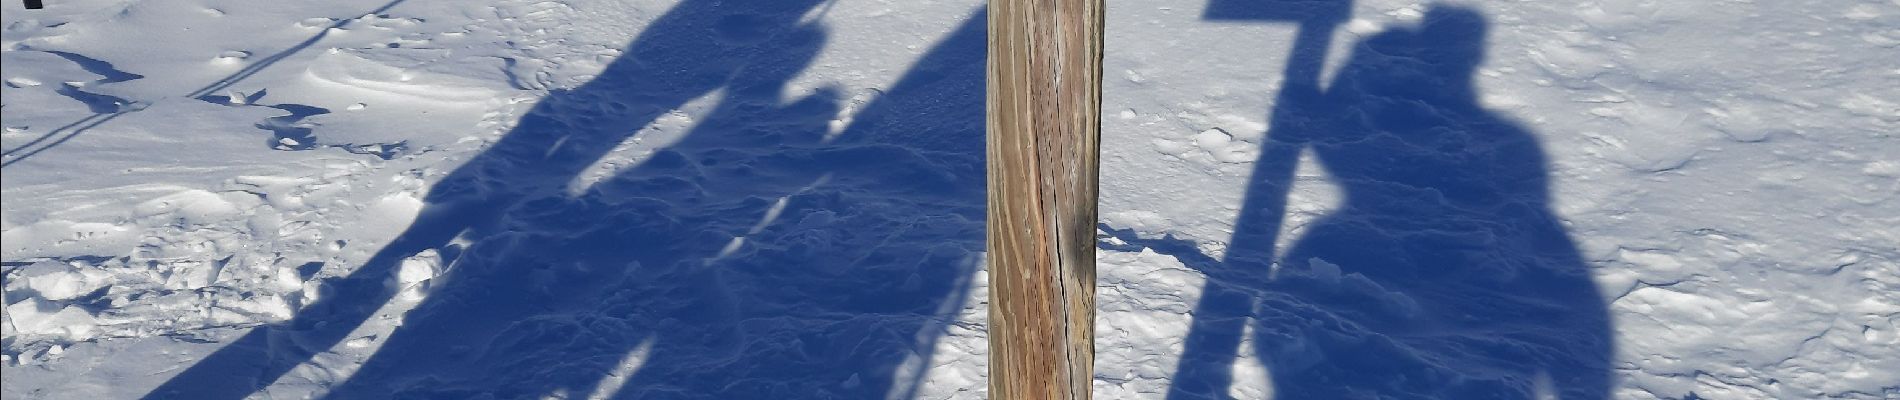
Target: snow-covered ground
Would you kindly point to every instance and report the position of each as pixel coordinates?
(221, 199)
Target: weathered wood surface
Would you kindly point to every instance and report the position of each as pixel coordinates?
(1044, 106)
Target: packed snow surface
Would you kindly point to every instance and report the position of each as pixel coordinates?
(773, 199)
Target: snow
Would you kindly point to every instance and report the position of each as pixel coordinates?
(222, 199)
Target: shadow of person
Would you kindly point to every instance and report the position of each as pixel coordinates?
(841, 291)
(1442, 275)
(751, 259)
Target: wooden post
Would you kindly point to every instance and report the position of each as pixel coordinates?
(1044, 106)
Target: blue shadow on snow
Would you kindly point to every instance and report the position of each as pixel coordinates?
(752, 259)
(1442, 275)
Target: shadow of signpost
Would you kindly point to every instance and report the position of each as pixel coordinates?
(1443, 275)
(753, 258)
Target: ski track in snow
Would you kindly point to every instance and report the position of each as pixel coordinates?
(675, 199)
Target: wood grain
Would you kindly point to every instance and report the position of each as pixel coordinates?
(1043, 121)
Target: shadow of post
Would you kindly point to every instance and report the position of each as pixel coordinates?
(752, 259)
(1442, 275)
(1213, 340)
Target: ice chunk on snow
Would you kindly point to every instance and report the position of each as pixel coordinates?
(413, 274)
(418, 268)
(1212, 138)
(51, 280)
(38, 316)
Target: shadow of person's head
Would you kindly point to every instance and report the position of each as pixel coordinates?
(1434, 60)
